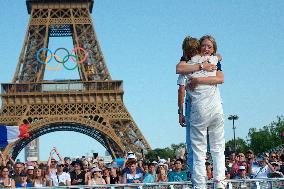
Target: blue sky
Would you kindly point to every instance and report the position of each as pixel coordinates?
(141, 43)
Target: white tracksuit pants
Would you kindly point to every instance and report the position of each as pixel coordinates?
(196, 137)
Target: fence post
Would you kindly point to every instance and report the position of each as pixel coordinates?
(230, 186)
(271, 184)
(257, 185)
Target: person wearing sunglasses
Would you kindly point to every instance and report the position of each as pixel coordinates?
(96, 177)
(60, 178)
(242, 173)
(273, 157)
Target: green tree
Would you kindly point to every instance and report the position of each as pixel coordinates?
(165, 153)
(241, 145)
(267, 137)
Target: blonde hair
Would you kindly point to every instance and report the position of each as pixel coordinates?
(162, 176)
(190, 45)
(210, 38)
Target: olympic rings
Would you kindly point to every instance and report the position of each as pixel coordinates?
(57, 51)
(75, 58)
(37, 55)
(52, 68)
(85, 56)
(67, 56)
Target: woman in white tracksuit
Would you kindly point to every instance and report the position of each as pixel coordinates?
(206, 112)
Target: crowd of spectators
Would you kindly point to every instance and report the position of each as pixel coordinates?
(58, 171)
(247, 165)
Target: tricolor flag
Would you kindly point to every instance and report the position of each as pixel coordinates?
(9, 134)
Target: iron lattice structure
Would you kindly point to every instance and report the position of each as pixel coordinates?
(92, 105)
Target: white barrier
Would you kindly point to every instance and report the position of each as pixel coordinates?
(277, 183)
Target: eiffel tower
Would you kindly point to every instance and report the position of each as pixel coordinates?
(92, 105)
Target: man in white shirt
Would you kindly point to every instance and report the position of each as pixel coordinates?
(60, 178)
(262, 169)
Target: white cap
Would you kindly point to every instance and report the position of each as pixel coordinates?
(162, 161)
(242, 167)
(30, 167)
(96, 169)
(131, 156)
(31, 158)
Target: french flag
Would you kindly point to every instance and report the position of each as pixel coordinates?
(9, 134)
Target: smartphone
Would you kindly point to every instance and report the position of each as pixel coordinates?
(95, 155)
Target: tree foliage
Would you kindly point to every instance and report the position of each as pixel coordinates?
(241, 145)
(267, 137)
(165, 153)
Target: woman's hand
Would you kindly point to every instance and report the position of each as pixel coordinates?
(181, 120)
(209, 67)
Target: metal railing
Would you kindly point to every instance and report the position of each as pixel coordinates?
(277, 183)
(61, 86)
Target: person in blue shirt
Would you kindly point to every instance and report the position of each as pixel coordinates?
(177, 174)
(23, 181)
(150, 176)
(133, 176)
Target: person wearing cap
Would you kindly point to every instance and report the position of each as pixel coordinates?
(130, 157)
(150, 176)
(242, 173)
(128, 162)
(162, 173)
(60, 178)
(96, 177)
(24, 183)
(78, 175)
(262, 168)
(30, 173)
(177, 174)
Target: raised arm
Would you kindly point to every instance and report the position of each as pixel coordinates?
(58, 155)
(211, 80)
(184, 68)
(181, 93)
